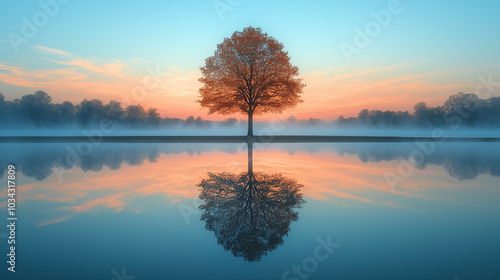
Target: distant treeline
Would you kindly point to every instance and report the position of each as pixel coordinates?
(461, 109)
(38, 110)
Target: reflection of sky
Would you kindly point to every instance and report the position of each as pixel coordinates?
(333, 173)
(432, 221)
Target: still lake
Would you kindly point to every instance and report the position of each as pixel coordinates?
(267, 211)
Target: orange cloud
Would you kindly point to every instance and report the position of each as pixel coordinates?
(329, 93)
(54, 51)
(74, 78)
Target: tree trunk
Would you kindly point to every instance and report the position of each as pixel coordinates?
(250, 158)
(250, 123)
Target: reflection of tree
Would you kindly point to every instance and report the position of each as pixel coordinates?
(251, 212)
(461, 161)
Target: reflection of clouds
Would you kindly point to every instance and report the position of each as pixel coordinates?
(54, 221)
(115, 174)
(39, 163)
(341, 179)
(81, 191)
(172, 175)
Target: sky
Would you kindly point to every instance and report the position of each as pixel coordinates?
(385, 55)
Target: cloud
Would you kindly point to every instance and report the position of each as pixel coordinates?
(132, 81)
(53, 221)
(336, 92)
(329, 93)
(53, 51)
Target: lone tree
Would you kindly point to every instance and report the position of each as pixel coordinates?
(249, 73)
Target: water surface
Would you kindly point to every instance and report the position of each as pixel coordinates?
(222, 211)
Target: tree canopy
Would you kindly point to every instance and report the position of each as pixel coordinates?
(249, 73)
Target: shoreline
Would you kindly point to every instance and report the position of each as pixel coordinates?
(239, 139)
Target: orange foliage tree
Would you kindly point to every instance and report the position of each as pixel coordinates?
(249, 73)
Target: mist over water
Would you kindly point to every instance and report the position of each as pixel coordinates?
(262, 128)
(462, 115)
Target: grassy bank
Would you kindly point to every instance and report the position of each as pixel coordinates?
(235, 139)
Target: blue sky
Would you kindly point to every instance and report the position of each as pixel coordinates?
(451, 43)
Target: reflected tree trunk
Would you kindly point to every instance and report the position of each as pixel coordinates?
(250, 158)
